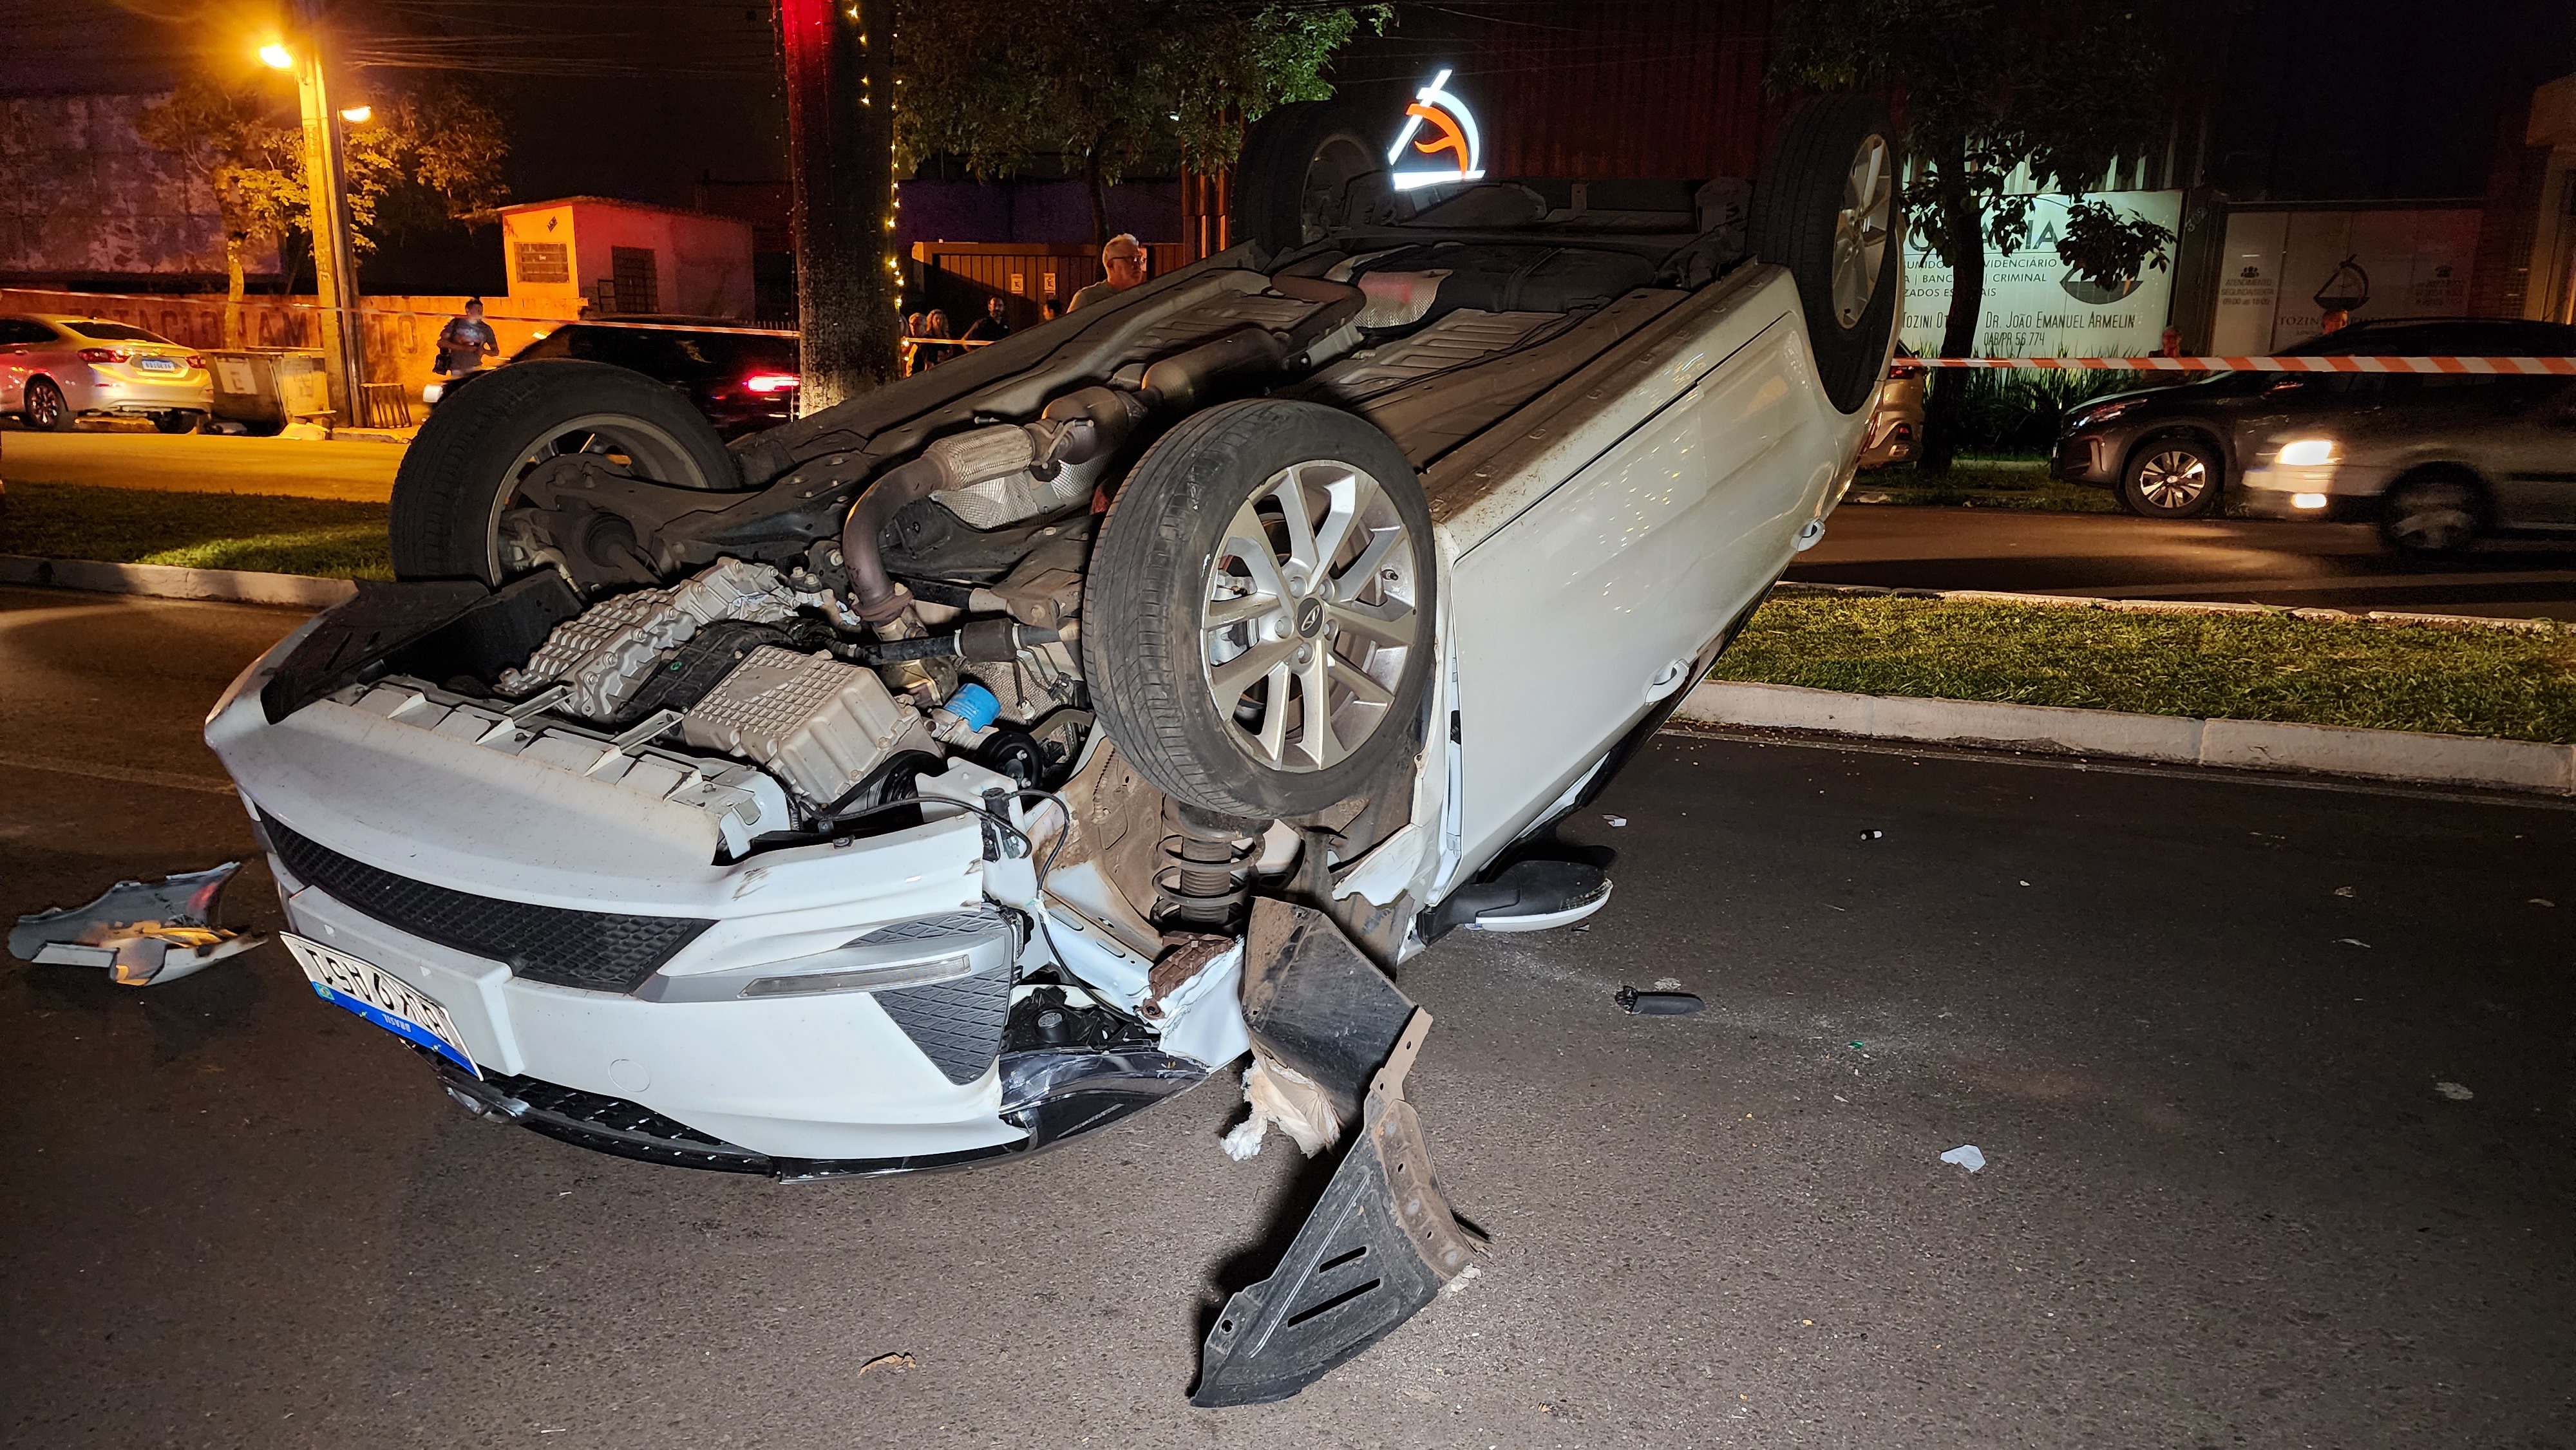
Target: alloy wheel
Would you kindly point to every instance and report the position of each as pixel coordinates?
(1861, 229)
(518, 539)
(2434, 518)
(1309, 616)
(2173, 480)
(44, 406)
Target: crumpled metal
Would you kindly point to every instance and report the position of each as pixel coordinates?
(144, 934)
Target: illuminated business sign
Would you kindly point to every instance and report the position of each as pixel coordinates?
(1453, 134)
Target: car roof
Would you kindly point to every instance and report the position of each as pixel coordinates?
(2514, 334)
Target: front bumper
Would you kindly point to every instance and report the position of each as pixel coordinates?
(2330, 491)
(2092, 459)
(417, 831)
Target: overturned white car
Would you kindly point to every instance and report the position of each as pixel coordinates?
(981, 760)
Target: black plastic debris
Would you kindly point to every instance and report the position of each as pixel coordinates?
(1658, 1004)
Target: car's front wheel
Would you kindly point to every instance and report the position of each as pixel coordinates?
(2173, 478)
(458, 509)
(2432, 514)
(44, 409)
(1257, 626)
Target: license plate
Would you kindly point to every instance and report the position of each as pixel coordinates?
(156, 365)
(381, 998)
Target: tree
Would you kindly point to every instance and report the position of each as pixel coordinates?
(1111, 85)
(253, 161)
(427, 154)
(2061, 88)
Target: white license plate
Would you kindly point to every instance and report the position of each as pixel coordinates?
(381, 998)
(156, 365)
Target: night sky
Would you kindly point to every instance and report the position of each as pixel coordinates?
(642, 98)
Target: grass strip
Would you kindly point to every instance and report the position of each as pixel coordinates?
(2492, 682)
(325, 538)
(2001, 483)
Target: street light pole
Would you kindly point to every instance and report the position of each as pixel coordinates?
(335, 265)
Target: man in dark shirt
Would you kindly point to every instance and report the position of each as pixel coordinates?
(465, 341)
(993, 326)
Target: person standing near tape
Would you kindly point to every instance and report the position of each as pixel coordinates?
(465, 341)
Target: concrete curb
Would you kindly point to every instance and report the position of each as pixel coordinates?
(2462, 760)
(239, 586)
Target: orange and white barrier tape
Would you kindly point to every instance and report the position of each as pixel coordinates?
(2500, 366)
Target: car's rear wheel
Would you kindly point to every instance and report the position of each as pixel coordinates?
(458, 509)
(2173, 478)
(1827, 210)
(43, 409)
(2433, 514)
(1257, 627)
(1308, 167)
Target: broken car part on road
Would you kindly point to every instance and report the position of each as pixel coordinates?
(143, 934)
(979, 761)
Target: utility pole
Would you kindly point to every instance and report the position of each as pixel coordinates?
(840, 150)
(335, 265)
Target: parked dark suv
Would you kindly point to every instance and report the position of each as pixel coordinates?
(2171, 452)
(743, 380)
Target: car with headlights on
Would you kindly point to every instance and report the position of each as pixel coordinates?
(55, 369)
(2175, 451)
(2450, 459)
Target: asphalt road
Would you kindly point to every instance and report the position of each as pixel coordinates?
(2332, 566)
(2198, 1025)
(361, 469)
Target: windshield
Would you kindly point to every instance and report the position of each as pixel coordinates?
(115, 332)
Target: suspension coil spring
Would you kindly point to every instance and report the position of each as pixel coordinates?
(1205, 880)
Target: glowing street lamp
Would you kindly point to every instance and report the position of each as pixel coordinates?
(358, 115)
(335, 263)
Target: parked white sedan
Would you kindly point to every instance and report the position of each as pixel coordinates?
(55, 369)
(975, 762)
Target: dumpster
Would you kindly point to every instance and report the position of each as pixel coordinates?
(266, 388)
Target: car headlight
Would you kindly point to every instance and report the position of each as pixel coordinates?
(2100, 413)
(2307, 452)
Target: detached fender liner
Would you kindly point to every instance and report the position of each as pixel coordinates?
(1377, 1249)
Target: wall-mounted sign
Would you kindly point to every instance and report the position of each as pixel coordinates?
(1452, 139)
(2035, 305)
(2285, 269)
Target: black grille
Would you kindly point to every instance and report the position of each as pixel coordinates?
(957, 1024)
(597, 951)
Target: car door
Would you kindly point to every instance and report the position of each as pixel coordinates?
(1590, 606)
(2528, 454)
(17, 339)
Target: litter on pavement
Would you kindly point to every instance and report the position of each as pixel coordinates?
(1967, 1156)
(2454, 1091)
(1658, 1004)
(143, 934)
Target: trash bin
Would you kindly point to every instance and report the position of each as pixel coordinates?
(265, 388)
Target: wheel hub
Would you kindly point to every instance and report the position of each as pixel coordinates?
(1308, 616)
